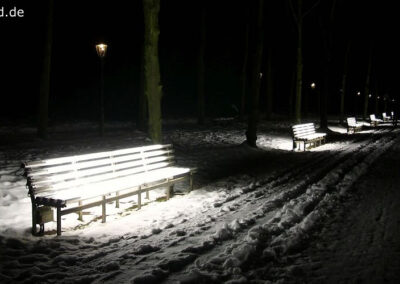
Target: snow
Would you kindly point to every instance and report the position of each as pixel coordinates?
(251, 217)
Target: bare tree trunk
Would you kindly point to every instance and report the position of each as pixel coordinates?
(367, 87)
(344, 82)
(251, 133)
(299, 65)
(269, 85)
(328, 44)
(201, 67)
(243, 79)
(376, 96)
(44, 93)
(292, 93)
(142, 103)
(152, 82)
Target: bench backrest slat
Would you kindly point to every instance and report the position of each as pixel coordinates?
(351, 121)
(302, 130)
(372, 117)
(66, 172)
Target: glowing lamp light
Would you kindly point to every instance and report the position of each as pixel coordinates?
(370, 96)
(358, 93)
(312, 85)
(101, 50)
(378, 97)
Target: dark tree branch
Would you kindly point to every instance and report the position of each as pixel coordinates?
(309, 10)
(293, 12)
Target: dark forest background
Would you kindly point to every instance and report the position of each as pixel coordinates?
(79, 25)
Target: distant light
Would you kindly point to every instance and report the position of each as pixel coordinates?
(312, 85)
(370, 96)
(393, 100)
(358, 93)
(261, 74)
(101, 50)
(378, 97)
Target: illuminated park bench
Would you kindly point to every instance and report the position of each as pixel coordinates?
(72, 184)
(374, 121)
(352, 125)
(306, 134)
(385, 117)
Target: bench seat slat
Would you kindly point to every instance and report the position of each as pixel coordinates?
(118, 184)
(98, 178)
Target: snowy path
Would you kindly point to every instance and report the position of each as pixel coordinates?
(361, 242)
(244, 233)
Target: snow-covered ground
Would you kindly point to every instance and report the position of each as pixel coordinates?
(266, 214)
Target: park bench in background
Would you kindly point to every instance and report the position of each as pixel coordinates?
(385, 117)
(306, 134)
(72, 184)
(374, 121)
(352, 125)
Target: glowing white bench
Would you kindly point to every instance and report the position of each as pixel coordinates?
(374, 121)
(73, 184)
(385, 117)
(353, 125)
(306, 133)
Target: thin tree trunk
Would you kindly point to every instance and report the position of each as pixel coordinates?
(292, 91)
(152, 82)
(251, 133)
(201, 67)
(299, 65)
(243, 79)
(367, 87)
(142, 103)
(44, 93)
(344, 82)
(269, 85)
(328, 44)
(324, 98)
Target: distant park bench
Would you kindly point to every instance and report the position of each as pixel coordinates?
(385, 117)
(306, 133)
(374, 121)
(72, 184)
(352, 125)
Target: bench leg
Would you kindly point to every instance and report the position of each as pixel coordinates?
(103, 210)
(147, 194)
(117, 200)
(139, 198)
(58, 221)
(80, 218)
(191, 182)
(34, 232)
(170, 191)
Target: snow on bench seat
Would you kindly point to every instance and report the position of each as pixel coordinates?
(374, 121)
(306, 133)
(80, 182)
(385, 117)
(352, 125)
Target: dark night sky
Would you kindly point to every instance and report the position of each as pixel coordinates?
(79, 25)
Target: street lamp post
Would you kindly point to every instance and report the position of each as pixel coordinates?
(101, 50)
